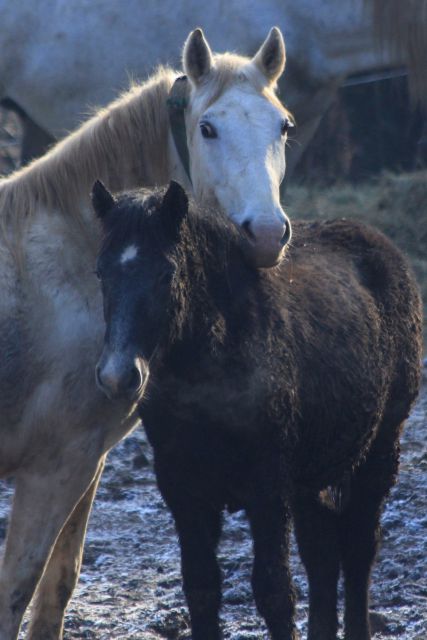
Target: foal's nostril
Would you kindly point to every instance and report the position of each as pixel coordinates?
(124, 381)
(287, 235)
(246, 226)
(133, 380)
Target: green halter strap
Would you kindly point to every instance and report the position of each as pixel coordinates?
(177, 103)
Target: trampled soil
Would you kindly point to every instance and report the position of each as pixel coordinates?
(130, 586)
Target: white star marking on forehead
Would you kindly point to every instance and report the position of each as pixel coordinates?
(129, 254)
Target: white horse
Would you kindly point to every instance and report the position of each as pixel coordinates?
(61, 57)
(55, 426)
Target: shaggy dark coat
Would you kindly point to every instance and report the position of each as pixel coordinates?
(280, 392)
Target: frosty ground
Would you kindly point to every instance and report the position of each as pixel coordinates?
(130, 586)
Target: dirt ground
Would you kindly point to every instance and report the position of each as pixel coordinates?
(130, 586)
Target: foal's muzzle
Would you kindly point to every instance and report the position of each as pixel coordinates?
(121, 377)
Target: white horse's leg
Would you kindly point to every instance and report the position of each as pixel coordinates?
(44, 499)
(62, 572)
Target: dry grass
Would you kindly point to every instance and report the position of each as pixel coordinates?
(396, 204)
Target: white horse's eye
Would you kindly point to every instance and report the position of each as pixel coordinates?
(208, 131)
(285, 126)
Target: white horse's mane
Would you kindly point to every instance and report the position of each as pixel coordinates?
(122, 144)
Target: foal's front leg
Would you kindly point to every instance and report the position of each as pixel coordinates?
(271, 581)
(199, 530)
(62, 572)
(199, 527)
(44, 498)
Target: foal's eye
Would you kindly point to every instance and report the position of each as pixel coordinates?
(285, 126)
(207, 130)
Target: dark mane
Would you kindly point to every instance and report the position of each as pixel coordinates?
(132, 215)
(204, 231)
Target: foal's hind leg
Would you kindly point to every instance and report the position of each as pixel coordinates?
(317, 534)
(62, 572)
(360, 532)
(44, 499)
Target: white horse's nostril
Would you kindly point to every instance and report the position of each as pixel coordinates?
(246, 226)
(98, 377)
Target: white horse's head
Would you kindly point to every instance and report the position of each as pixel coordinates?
(236, 133)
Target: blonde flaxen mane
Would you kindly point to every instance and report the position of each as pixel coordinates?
(121, 144)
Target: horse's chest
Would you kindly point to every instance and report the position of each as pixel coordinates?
(214, 466)
(236, 400)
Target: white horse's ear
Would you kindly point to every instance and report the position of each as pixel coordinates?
(197, 59)
(102, 200)
(174, 208)
(271, 56)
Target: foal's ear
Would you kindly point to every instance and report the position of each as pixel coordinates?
(102, 200)
(197, 59)
(271, 56)
(174, 209)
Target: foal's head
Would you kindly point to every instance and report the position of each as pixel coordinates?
(136, 268)
(237, 131)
